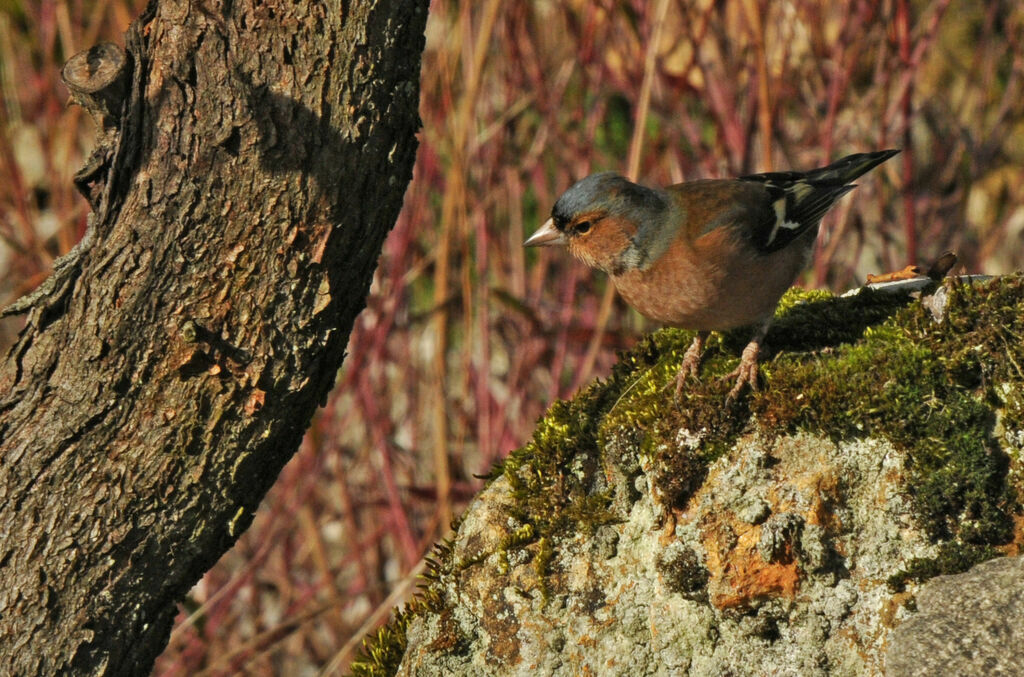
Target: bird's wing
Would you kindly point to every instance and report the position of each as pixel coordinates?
(766, 211)
(799, 199)
(792, 204)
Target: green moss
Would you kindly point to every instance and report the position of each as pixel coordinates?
(683, 572)
(381, 653)
(648, 412)
(521, 536)
(953, 558)
(555, 480)
(931, 388)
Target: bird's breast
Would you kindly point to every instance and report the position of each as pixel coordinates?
(723, 287)
(680, 297)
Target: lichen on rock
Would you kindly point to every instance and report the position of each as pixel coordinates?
(788, 535)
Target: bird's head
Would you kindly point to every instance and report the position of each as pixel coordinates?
(605, 221)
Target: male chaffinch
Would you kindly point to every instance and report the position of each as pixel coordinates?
(708, 255)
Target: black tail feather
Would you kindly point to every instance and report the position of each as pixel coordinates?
(850, 167)
(796, 201)
(840, 172)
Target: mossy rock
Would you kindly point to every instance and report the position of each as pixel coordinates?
(728, 503)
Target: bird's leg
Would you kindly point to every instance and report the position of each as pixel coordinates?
(746, 372)
(691, 361)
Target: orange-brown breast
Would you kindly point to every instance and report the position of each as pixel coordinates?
(717, 282)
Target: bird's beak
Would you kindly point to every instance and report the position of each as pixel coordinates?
(546, 236)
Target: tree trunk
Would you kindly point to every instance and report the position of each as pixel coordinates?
(167, 370)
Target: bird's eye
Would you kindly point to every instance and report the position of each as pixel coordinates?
(582, 227)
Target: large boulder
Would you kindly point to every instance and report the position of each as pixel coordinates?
(790, 534)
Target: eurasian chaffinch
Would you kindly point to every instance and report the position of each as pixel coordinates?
(707, 255)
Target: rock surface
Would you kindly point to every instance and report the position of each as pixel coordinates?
(780, 559)
(967, 624)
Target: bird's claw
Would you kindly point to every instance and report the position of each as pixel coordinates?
(690, 368)
(745, 374)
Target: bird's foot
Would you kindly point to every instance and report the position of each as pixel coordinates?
(691, 362)
(746, 373)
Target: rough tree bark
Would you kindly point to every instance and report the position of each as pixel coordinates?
(241, 194)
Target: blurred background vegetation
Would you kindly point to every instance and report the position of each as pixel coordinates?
(467, 338)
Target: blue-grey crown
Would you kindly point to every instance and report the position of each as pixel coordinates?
(610, 193)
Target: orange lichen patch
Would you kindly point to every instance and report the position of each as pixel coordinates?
(668, 529)
(821, 514)
(745, 578)
(448, 636)
(499, 620)
(1016, 546)
(816, 484)
(888, 612)
(754, 580)
(738, 575)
